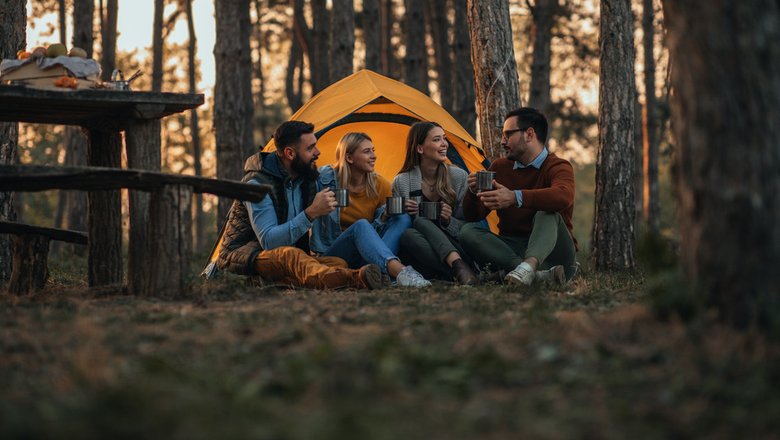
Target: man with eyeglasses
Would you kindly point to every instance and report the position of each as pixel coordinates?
(533, 195)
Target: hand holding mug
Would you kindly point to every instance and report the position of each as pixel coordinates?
(471, 180)
(323, 204)
(500, 197)
(446, 214)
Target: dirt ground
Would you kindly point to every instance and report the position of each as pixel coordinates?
(230, 361)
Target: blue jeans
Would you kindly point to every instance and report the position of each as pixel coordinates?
(359, 245)
(393, 230)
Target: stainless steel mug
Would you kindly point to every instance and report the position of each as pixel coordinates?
(430, 210)
(342, 197)
(395, 205)
(417, 199)
(485, 180)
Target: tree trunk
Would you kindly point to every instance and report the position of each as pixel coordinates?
(495, 70)
(294, 66)
(76, 150)
(652, 206)
(416, 58)
(13, 28)
(387, 60)
(342, 39)
(463, 73)
(31, 258)
(262, 121)
(157, 46)
(725, 117)
(108, 39)
(436, 12)
(62, 14)
(613, 224)
(544, 12)
(248, 133)
(319, 65)
(105, 213)
(200, 220)
(231, 92)
(83, 25)
(372, 35)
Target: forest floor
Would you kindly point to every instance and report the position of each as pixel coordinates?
(231, 361)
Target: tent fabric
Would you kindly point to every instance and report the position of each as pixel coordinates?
(384, 109)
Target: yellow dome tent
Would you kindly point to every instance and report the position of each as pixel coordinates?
(384, 109)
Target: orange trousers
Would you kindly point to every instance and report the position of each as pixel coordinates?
(294, 267)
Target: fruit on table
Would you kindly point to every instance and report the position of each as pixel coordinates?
(77, 52)
(56, 50)
(39, 52)
(66, 82)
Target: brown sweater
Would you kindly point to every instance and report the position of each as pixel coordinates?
(550, 189)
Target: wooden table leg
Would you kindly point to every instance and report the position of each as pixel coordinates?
(142, 140)
(166, 276)
(105, 213)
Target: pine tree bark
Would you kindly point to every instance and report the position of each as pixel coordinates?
(416, 58)
(436, 12)
(319, 65)
(725, 117)
(544, 16)
(372, 33)
(62, 15)
(260, 45)
(157, 46)
(13, 28)
(613, 224)
(652, 205)
(463, 73)
(232, 90)
(388, 62)
(108, 25)
(294, 65)
(342, 39)
(199, 236)
(495, 70)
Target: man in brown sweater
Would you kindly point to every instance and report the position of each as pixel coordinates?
(533, 195)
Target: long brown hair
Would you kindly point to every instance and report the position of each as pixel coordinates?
(418, 132)
(347, 145)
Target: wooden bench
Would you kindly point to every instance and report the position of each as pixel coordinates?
(31, 253)
(159, 249)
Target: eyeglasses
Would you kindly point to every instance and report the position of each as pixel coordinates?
(507, 134)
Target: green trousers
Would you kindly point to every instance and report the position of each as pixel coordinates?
(549, 242)
(425, 246)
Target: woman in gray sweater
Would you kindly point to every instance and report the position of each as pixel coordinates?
(433, 244)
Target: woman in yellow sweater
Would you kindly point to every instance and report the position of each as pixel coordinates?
(376, 235)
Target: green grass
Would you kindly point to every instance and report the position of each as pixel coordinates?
(446, 362)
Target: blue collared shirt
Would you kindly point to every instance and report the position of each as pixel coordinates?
(536, 163)
(269, 232)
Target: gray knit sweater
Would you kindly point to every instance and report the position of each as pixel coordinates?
(405, 183)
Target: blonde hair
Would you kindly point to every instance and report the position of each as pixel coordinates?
(417, 135)
(347, 145)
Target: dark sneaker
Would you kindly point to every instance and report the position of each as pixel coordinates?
(463, 273)
(370, 277)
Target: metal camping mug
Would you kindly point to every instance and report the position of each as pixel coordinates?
(430, 210)
(485, 180)
(342, 197)
(416, 199)
(395, 205)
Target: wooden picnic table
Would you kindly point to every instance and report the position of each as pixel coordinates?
(105, 114)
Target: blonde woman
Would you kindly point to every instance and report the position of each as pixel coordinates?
(361, 232)
(433, 245)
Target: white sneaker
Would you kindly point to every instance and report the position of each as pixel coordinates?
(522, 274)
(408, 277)
(554, 275)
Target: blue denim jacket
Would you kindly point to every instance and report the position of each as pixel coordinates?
(327, 228)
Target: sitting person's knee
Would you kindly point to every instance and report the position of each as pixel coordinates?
(468, 232)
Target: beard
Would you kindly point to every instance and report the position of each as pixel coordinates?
(307, 170)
